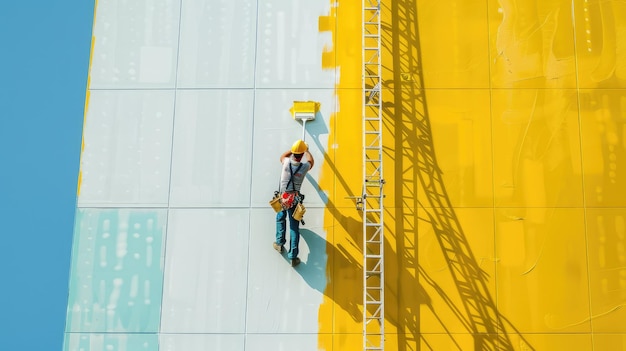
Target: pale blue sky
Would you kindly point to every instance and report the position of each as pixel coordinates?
(44, 59)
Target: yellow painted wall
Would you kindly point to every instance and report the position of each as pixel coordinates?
(505, 206)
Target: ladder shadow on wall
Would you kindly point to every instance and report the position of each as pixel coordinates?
(407, 115)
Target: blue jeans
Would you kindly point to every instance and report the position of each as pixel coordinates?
(294, 231)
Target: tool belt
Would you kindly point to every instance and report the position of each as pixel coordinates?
(289, 198)
(285, 201)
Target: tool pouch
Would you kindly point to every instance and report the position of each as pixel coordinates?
(275, 202)
(298, 213)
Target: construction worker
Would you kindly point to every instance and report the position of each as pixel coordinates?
(294, 169)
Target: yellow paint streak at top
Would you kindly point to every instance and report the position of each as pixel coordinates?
(82, 145)
(87, 97)
(327, 24)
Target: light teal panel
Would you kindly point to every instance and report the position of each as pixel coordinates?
(111, 342)
(116, 278)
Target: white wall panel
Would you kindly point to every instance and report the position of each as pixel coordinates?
(288, 342)
(201, 342)
(190, 118)
(127, 140)
(290, 45)
(212, 154)
(135, 44)
(281, 298)
(217, 44)
(111, 342)
(275, 131)
(205, 271)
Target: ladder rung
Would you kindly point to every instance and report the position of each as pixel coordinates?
(373, 298)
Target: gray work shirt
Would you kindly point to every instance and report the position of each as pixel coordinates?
(291, 166)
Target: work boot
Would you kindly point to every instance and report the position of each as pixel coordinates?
(278, 248)
(295, 262)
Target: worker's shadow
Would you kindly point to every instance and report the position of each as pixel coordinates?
(313, 267)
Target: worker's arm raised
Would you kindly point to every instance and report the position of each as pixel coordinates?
(285, 154)
(310, 158)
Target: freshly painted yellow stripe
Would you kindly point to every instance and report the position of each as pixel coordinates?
(340, 314)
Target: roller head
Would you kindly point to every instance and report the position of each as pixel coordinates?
(305, 110)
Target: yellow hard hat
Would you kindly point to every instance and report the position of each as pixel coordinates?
(299, 147)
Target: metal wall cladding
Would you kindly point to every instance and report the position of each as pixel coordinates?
(503, 155)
